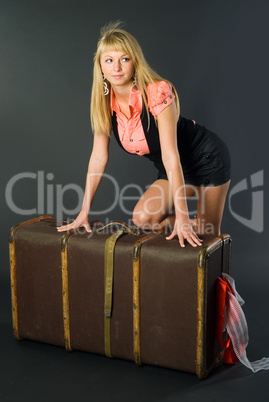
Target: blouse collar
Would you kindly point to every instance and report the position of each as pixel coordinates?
(135, 101)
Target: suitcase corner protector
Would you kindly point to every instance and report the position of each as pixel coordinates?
(201, 373)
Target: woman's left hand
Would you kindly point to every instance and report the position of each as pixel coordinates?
(184, 230)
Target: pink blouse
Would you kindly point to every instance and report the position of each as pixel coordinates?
(131, 133)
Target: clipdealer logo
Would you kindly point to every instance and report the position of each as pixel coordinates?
(45, 194)
(50, 197)
(256, 220)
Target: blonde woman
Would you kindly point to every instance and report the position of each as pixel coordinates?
(142, 109)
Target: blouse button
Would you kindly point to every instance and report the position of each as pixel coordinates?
(131, 139)
(170, 96)
(165, 101)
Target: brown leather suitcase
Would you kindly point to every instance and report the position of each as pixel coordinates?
(118, 292)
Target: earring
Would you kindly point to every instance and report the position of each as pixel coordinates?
(134, 84)
(106, 90)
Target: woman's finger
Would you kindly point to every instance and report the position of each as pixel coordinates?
(64, 228)
(191, 241)
(87, 227)
(194, 240)
(181, 240)
(69, 226)
(172, 235)
(74, 225)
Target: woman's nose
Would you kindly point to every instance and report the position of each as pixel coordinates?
(117, 66)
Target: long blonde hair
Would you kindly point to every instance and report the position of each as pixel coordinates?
(113, 37)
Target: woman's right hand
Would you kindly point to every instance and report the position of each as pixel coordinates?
(80, 221)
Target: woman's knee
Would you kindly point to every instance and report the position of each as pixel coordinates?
(145, 221)
(153, 206)
(140, 219)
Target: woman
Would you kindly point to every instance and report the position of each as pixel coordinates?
(142, 108)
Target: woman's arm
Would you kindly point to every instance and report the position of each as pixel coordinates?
(96, 168)
(167, 125)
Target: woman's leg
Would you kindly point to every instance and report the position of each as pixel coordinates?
(210, 206)
(155, 207)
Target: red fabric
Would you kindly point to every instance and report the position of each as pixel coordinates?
(223, 287)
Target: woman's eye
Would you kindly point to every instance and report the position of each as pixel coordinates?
(124, 59)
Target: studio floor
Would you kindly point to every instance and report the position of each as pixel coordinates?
(32, 371)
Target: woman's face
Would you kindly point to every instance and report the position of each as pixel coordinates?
(117, 67)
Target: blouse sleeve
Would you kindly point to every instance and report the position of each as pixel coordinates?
(160, 95)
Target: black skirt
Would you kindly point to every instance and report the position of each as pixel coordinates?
(204, 156)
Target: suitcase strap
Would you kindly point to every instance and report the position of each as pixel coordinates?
(108, 274)
(108, 283)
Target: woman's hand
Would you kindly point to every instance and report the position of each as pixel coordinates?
(183, 228)
(80, 221)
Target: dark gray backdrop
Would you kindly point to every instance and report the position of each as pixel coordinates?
(215, 53)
